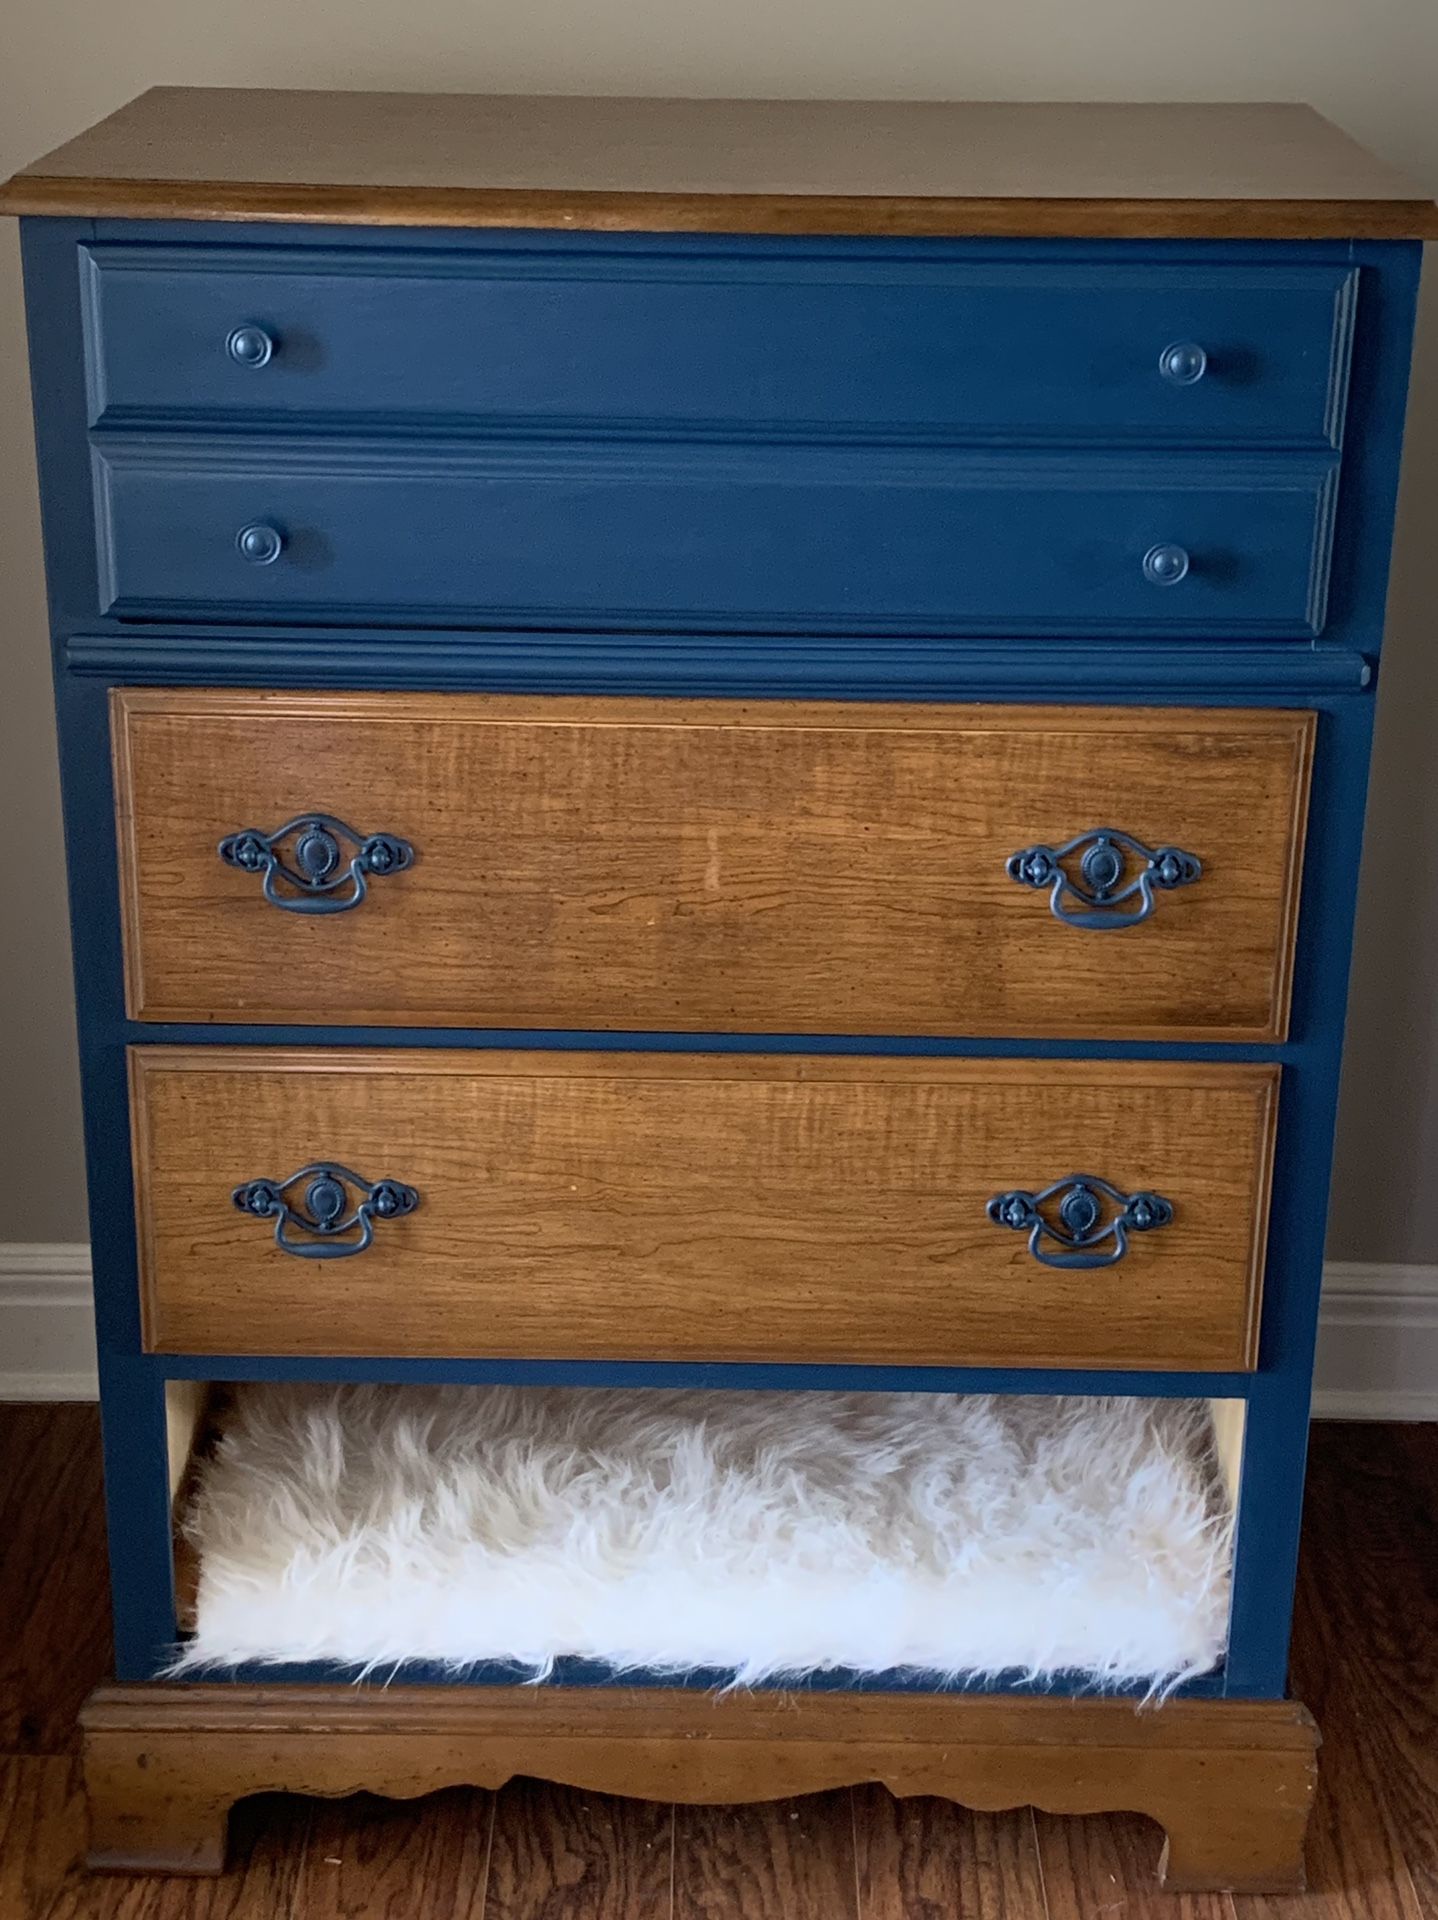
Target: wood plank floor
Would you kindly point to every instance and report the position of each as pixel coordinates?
(1366, 1660)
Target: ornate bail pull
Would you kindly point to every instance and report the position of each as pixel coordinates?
(314, 1209)
(304, 861)
(1085, 1231)
(1112, 870)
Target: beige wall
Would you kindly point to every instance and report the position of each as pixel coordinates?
(1372, 65)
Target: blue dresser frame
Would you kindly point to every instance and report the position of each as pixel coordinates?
(1333, 674)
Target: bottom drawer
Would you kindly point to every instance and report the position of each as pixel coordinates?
(692, 1207)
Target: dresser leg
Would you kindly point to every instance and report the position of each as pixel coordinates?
(143, 1819)
(1243, 1833)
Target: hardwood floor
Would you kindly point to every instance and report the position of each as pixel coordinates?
(1366, 1661)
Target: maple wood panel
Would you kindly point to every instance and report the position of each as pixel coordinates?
(684, 1207)
(709, 865)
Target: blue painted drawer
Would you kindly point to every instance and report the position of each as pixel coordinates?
(700, 538)
(783, 343)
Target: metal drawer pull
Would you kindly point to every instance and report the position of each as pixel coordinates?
(334, 1202)
(1113, 869)
(1086, 1232)
(1183, 364)
(1165, 565)
(316, 868)
(261, 545)
(250, 346)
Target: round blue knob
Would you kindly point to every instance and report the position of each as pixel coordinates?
(1184, 363)
(250, 347)
(1165, 565)
(260, 544)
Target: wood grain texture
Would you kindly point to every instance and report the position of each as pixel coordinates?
(710, 865)
(558, 1854)
(1098, 1865)
(365, 1857)
(766, 1862)
(52, 1575)
(925, 1859)
(761, 166)
(42, 1831)
(680, 1206)
(1229, 1780)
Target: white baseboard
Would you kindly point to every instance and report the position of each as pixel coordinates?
(47, 1341)
(1377, 1340)
(1377, 1343)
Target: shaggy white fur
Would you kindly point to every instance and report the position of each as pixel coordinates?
(762, 1533)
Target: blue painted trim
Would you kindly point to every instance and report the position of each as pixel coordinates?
(775, 1376)
(772, 665)
(579, 247)
(613, 1040)
(131, 1395)
(590, 1674)
(1271, 1486)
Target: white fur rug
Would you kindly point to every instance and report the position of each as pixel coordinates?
(763, 1533)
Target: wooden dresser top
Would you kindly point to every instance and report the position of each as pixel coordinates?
(726, 166)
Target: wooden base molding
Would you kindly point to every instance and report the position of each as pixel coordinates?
(1231, 1782)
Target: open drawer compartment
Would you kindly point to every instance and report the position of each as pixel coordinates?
(747, 1535)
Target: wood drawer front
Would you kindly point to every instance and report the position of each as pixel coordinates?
(808, 344)
(661, 1206)
(704, 538)
(708, 866)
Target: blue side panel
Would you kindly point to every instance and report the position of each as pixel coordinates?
(131, 1396)
(1330, 674)
(1271, 1489)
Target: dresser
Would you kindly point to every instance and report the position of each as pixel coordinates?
(713, 748)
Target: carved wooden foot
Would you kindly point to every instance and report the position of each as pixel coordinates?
(1253, 1848)
(146, 1816)
(1230, 1781)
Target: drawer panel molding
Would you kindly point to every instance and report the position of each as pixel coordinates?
(701, 1208)
(807, 345)
(713, 866)
(710, 539)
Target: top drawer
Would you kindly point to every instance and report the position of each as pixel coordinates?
(788, 343)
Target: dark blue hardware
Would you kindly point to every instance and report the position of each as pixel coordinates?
(316, 869)
(325, 1209)
(1184, 363)
(250, 347)
(1166, 564)
(1084, 1236)
(1104, 881)
(260, 545)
